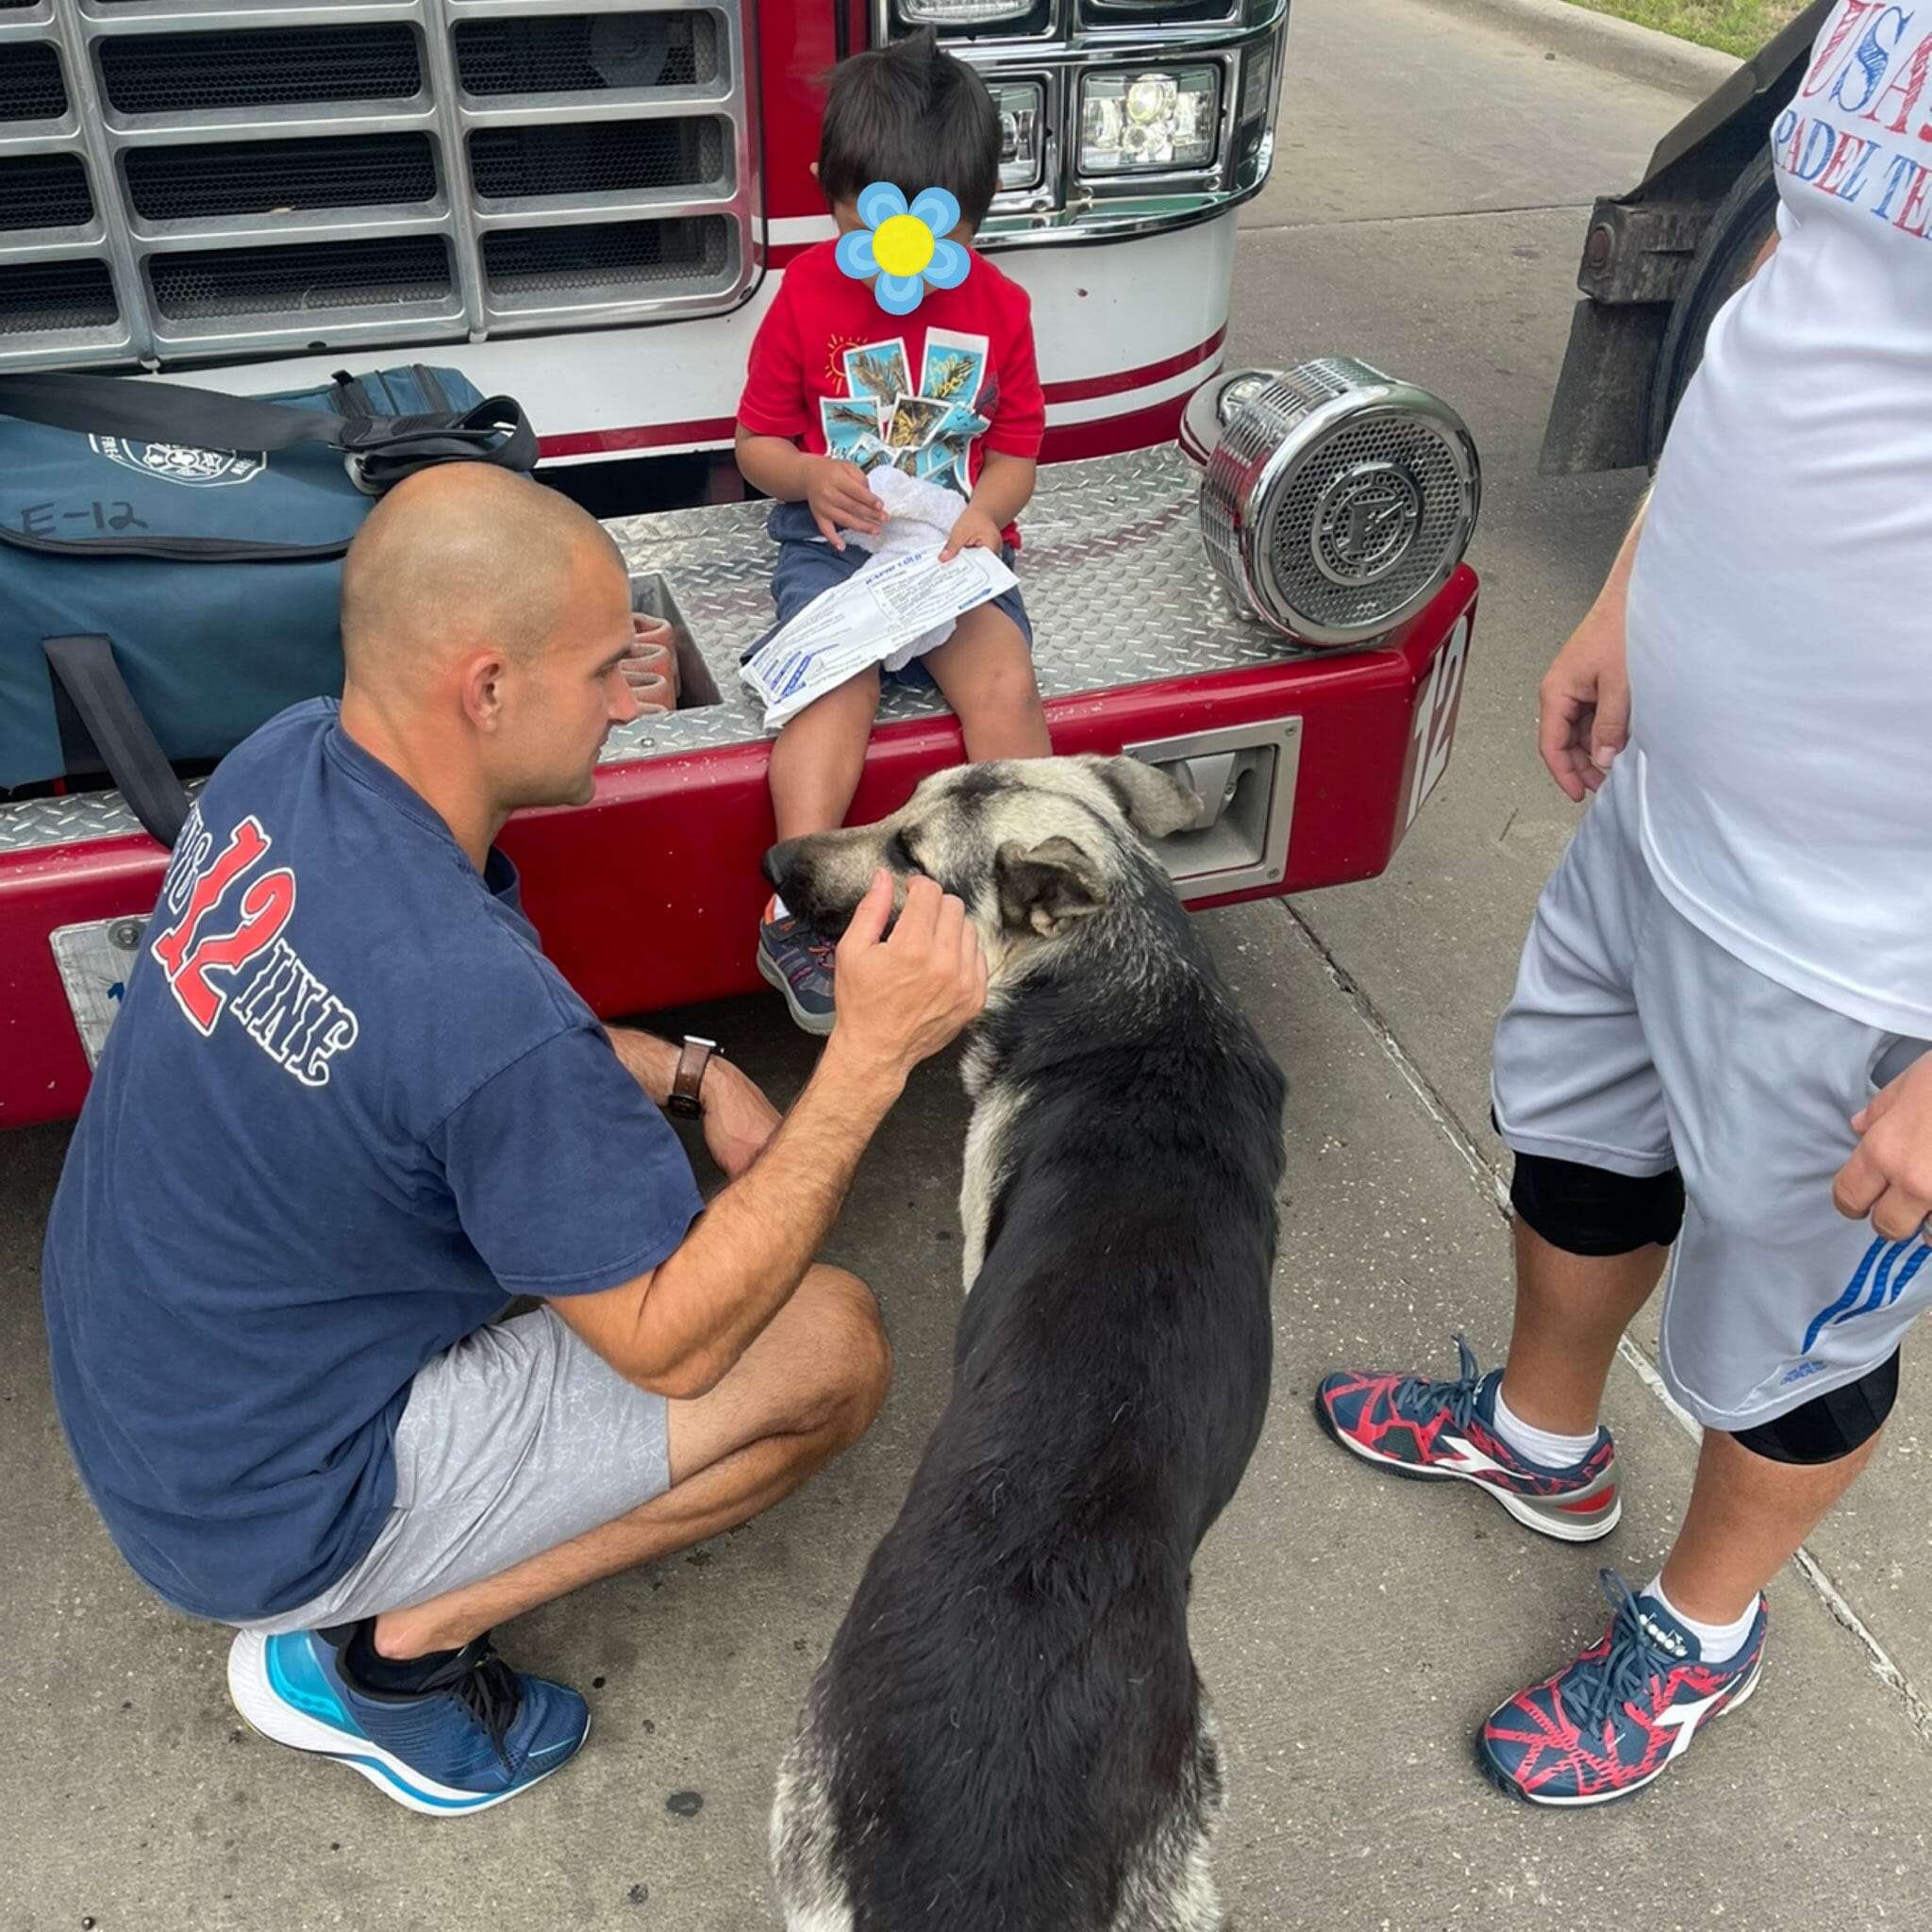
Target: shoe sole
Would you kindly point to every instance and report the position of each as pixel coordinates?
(267, 1714)
(1522, 1511)
(1495, 1775)
(807, 1022)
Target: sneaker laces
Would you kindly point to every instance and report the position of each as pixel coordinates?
(1417, 1398)
(487, 1687)
(1626, 1671)
(796, 933)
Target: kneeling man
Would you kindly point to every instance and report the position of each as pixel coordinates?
(349, 1109)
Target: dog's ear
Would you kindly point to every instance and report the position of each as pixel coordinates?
(1154, 803)
(1046, 888)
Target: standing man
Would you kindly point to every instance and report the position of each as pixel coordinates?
(1717, 1034)
(349, 1109)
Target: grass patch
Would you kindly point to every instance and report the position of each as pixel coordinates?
(1737, 27)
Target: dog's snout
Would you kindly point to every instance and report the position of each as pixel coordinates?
(777, 863)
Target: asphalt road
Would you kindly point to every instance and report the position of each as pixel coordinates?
(1426, 214)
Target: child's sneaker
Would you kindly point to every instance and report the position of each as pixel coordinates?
(1606, 1724)
(478, 1734)
(799, 964)
(1438, 1431)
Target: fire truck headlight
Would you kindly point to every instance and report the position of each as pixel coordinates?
(961, 13)
(1021, 105)
(1164, 120)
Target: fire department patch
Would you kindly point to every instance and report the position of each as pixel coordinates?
(177, 462)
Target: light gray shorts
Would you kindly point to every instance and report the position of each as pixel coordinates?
(1636, 1044)
(516, 1440)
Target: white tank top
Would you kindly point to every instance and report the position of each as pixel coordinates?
(1780, 612)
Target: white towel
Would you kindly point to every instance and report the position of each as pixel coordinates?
(919, 516)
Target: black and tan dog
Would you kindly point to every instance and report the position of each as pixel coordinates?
(1009, 1734)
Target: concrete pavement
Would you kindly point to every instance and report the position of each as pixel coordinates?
(1426, 215)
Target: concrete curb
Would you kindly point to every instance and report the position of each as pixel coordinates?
(1638, 53)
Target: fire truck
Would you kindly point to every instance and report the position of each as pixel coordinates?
(588, 204)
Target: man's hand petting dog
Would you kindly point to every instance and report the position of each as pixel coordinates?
(838, 495)
(738, 1119)
(902, 998)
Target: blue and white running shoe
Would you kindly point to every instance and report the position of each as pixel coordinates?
(478, 1734)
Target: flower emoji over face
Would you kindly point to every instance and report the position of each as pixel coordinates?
(905, 247)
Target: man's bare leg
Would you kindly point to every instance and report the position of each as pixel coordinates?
(1571, 1311)
(808, 1387)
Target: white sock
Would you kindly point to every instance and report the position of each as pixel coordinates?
(777, 910)
(1717, 1643)
(1539, 1447)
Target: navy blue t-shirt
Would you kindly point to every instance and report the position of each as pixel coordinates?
(347, 1110)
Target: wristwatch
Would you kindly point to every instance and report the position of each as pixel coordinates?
(694, 1057)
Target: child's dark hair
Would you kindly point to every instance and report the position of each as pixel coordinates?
(914, 115)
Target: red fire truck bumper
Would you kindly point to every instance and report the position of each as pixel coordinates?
(649, 895)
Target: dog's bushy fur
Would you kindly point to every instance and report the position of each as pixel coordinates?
(1009, 1734)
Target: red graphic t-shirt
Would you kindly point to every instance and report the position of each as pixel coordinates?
(927, 393)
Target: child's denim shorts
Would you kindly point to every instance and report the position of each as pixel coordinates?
(807, 565)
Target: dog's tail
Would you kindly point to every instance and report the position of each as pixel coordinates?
(1078, 1799)
(812, 1882)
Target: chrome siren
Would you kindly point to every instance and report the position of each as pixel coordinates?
(1335, 501)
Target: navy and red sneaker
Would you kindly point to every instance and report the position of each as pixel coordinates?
(800, 964)
(1606, 1724)
(1438, 1430)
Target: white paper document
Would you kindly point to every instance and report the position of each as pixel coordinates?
(865, 621)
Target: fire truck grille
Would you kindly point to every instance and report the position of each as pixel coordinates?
(31, 84)
(607, 256)
(206, 187)
(61, 294)
(44, 191)
(187, 73)
(603, 157)
(326, 275)
(588, 53)
(277, 177)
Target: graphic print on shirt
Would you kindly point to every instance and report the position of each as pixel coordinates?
(927, 432)
(1860, 130)
(228, 921)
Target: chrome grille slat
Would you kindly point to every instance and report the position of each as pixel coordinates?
(587, 53)
(216, 180)
(241, 177)
(73, 294)
(44, 191)
(31, 86)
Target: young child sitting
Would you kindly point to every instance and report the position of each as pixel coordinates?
(949, 392)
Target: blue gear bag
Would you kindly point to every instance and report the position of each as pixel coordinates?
(171, 558)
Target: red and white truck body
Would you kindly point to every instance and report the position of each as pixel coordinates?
(588, 204)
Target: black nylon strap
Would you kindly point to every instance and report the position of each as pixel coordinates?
(84, 670)
(388, 448)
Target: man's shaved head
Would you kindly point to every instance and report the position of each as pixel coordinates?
(458, 557)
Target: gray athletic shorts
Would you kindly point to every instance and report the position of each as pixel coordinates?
(1636, 1044)
(513, 1441)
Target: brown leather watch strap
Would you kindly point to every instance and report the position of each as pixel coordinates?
(692, 1059)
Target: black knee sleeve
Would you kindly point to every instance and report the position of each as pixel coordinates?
(1831, 1425)
(1590, 1211)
